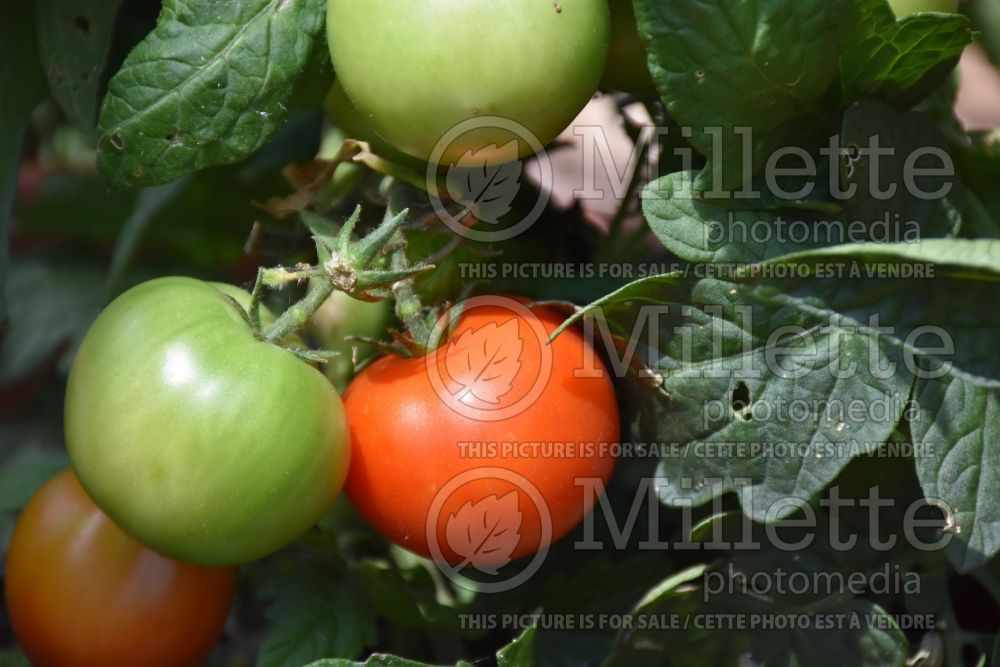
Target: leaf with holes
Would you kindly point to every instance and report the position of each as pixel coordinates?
(877, 190)
(903, 182)
(776, 58)
(486, 532)
(483, 362)
(74, 39)
(768, 402)
(208, 86)
(792, 66)
(958, 425)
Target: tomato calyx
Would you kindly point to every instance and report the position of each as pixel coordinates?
(367, 269)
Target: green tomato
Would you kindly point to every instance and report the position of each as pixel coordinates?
(904, 8)
(416, 69)
(341, 316)
(201, 441)
(627, 68)
(346, 116)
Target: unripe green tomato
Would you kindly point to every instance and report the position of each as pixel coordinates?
(416, 69)
(203, 442)
(342, 316)
(904, 8)
(627, 69)
(346, 116)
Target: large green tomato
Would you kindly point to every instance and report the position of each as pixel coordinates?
(203, 442)
(904, 8)
(416, 69)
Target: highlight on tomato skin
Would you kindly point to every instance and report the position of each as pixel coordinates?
(81, 593)
(434, 467)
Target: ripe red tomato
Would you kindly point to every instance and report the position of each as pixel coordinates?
(472, 454)
(82, 593)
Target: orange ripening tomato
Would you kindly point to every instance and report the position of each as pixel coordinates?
(82, 593)
(489, 448)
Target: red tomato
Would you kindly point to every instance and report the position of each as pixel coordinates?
(82, 593)
(472, 454)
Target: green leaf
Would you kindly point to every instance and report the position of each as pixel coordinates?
(314, 612)
(13, 658)
(776, 57)
(208, 86)
(23, 87)
(793, 66)
(927, 207)
(697, 231)
(916, 316)
(601, 585)
(406, 596)
(51, 309)
(518, 653)
(898, 62)
(978, 159)
(959, 424)
(74, 38)
(865, 636)
(726, 387)
(652, 289)
(977, 222)
(974, 259)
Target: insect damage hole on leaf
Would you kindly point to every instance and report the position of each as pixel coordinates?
(82, 24)
(740, 401)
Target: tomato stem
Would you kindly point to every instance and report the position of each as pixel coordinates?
(356, 267)
(296, 317)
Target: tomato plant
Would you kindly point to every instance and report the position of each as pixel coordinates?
(418, 424)
(742, 412)
(82, 593)
(200, 440)
(429, 67)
